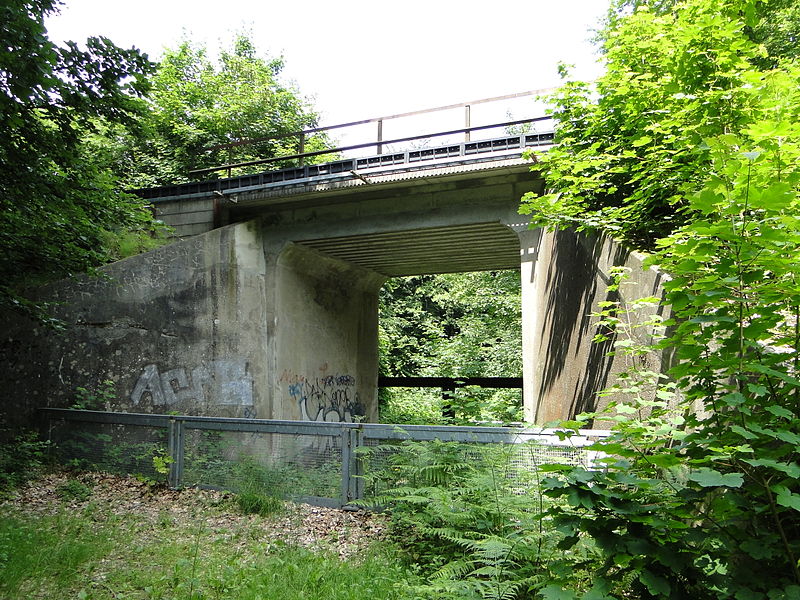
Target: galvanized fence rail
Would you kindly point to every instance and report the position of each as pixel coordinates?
(320, 463)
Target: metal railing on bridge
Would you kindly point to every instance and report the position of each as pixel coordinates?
(379, 141)
(526, 136)
(328, 464)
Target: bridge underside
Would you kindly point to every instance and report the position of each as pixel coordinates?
(268, 307)
(457, 249)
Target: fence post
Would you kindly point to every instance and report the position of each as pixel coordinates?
(175, 447)
(347, 460)
(302, 148)
(356, 484)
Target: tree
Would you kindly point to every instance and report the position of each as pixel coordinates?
(619, 164)
(700, 492)
(198, 109)
(452, 325)
(778, 29)
(57, 204)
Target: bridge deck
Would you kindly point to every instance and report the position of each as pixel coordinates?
(477, 151)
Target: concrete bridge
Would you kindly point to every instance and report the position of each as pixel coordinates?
(267, 304)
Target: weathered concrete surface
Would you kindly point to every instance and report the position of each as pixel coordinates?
(212, 325)
(564, 278)
(181, 328)
(325, 358)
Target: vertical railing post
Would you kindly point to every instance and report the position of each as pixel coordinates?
(356, 486)
(347, 463)
(175, 448)
(467, 121)
(380, 136)
(302, 147)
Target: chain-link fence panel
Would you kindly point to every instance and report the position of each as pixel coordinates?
(285, 465)
(122, 449)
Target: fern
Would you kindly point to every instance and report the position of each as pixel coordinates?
(468, 518)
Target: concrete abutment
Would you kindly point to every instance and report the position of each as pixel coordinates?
(275, 316)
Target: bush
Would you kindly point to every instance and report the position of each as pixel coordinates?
(467, 517)
(22, 457)
(74, 490)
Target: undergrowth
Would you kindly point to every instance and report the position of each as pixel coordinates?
(22, 457)
(469, 519)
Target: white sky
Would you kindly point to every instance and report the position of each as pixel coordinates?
(360, 59)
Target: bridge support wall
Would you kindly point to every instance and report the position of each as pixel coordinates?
(565, 276)
(326, 338)
(181, 328)
(212, 325)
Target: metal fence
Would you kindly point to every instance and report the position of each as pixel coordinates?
(327, 464)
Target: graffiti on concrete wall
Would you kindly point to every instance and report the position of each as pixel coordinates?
(223, 382)
(331, 398)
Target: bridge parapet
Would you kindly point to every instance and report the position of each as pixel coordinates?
(480, 151)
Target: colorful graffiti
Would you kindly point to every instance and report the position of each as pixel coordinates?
(331, 398)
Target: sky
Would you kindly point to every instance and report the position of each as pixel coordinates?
(359, 59)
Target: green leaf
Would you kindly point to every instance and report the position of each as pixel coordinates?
(556, 592)
(748, 435)
(599, 591)
(710, 478)
(791, 469)
(780, 411)
(665, 460)
(788, 437)
(788, 499)
(748, 594)
(658, 586)
(757, 548)
(757, 390)
(554, 467)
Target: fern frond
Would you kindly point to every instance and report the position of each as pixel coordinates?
(453, 570)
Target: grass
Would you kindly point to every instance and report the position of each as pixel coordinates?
(90, 550)
(54, 549)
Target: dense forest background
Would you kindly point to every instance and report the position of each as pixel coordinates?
(453, 325)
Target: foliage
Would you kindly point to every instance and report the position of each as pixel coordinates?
(162, 462)
(464, 517)
(260, 489)
(454, 325)
(254, 503)
(74, 491)
(224, 461)
(412, 406)
(197, 106)
(58, 202)
(778, 29)
(117, 450)
(101, 398)
(22, 457)
(702, 501)
(628, 147)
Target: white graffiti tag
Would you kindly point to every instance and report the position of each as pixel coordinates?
(225, 382)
